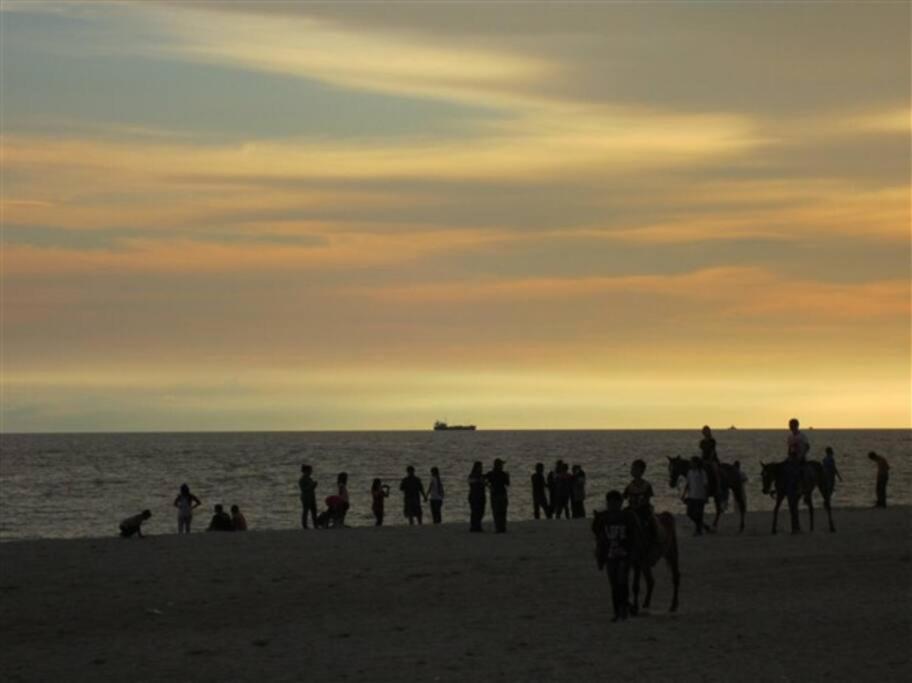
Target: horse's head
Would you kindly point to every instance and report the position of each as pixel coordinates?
(767, 475)
(677, 467)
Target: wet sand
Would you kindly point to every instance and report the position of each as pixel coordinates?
(439, 603)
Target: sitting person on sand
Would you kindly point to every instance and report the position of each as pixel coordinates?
(221, 520)
(238, 521)
(133, 525)
(333, 515)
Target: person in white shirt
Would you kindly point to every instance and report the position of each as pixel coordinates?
(435, 495)
(695, 494)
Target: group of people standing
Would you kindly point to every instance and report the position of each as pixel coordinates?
(562, 492)
(338, 504)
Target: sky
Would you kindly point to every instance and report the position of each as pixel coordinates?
(306, 216)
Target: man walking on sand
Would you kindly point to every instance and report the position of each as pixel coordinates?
(883, 475)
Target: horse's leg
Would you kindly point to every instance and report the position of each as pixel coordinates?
(776, 510)
(635, 605)
(809, 500)
(718, 504)
(671, 556)
(829, 511)
(650, 584)
(742, 505)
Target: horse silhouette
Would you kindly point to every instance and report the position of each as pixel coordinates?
(647, 548)
(679, 467)
(775, 477)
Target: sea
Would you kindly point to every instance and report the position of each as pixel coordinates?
(83, 485)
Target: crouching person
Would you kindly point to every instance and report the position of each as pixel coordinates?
(133, 525)
(613, 533)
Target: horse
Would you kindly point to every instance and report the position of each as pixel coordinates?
(678, 467)
(775, 478)
(646, 551)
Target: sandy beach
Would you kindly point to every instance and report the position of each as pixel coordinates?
(442, 604)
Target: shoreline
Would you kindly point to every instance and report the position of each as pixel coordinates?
(728, 524)
(444, 604)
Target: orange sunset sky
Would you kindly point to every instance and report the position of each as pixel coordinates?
(256, 215)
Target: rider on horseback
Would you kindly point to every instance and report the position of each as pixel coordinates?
(717, 488)
(638, 493)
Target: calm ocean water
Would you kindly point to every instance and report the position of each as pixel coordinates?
(72, 485)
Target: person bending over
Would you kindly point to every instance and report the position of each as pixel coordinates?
(133, 525)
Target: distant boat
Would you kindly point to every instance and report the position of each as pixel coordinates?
(444, 427)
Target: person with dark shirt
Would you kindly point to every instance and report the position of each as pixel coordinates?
(578, 492)
(883, 476)
(412, 493)
(133, 525)
(221, 520)
(614, 533)
(711, 464)
(477, 497)
(498, 482)
(539, 499)
(308, 495)
(379, 493)
(638, 495)
(563, 482)
(238, 521)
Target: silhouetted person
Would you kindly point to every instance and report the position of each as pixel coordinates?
(539, 498)
(477, 495)
(639, 495)
(563, 482)
(695, 494)
(578, 492)
(883, 476)
(334, 513)
(797, 450)
(308, 495)
(551, 483)
(498, 482)
(185, 503)
(715, 486)
(133, 525)
(435, 495)
(615, 546)
(379, 493)
(238, 521)
(412, 493)
(221, 520)
(342, 492)
(830, 471)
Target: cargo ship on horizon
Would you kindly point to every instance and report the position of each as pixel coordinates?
(444, 427)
